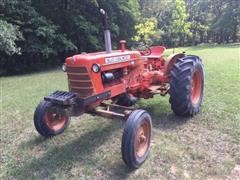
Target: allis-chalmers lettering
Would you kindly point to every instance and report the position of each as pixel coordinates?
(117, 59)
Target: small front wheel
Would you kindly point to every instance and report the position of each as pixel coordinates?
(47, 122)
(136, 138)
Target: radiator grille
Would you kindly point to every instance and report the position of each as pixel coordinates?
(79, 81)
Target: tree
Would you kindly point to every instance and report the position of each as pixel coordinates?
(200, 18)
(145, 31)
(52, 30)
(188, 22)
(179, 27)
(36, 37)
(9, 35)
(225, 25)
(134, 6)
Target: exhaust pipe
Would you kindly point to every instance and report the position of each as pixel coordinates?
(107, 34)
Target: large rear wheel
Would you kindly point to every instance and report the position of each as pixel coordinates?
(186, 86)
(47, 122)
(136, 138)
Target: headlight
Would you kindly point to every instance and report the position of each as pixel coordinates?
(64, 67)
(96, 68)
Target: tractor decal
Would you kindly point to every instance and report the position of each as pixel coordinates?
(117, 59)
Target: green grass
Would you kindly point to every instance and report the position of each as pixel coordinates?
(206, 146)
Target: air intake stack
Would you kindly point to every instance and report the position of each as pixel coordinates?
(107, 34)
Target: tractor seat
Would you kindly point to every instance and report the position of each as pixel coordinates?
(156, 52)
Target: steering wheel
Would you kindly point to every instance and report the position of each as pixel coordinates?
(146, 52)
(143, 48)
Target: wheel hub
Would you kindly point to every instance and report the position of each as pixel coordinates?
(55, 121)
(196, 87)
(142, 139)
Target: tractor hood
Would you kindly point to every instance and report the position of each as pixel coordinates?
(106, 61)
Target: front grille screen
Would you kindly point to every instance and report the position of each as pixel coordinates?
(79, 81)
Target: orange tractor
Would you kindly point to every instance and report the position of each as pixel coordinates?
(109, 83)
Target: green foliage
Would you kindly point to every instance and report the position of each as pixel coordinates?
(179, 27)
(35, 34)
(199, 16)
(52, 30)
(145, 31)
(9, 35)
(185, 22)
(226, 21)
(41, 38)
(135, 8)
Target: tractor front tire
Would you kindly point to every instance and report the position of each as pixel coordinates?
(186, 86)
(136, 138)
(48, 123)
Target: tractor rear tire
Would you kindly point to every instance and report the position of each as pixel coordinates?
(136, 138)
(187, 86)
(126, 100)
(48, 123)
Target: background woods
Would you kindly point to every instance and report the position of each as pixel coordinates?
(36, 34)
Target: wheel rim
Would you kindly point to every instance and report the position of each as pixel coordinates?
(142, 139)
(196, 87)
(55, 121)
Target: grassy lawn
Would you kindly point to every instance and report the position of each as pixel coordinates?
(206, 146)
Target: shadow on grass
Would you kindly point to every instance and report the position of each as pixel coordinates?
(168, 121)
(61, 158)
(121, 171)
(33, 142)
(162, 116)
